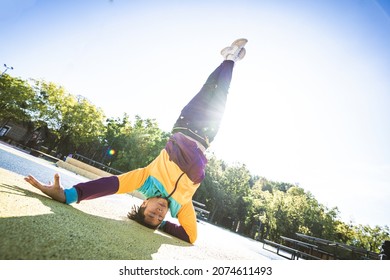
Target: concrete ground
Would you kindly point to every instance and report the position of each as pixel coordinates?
(34, 227)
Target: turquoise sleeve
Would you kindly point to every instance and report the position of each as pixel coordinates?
(71, 195)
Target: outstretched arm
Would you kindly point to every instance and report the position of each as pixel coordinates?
(175, 230)
(55, 191)
(82, 191)
(187, 230)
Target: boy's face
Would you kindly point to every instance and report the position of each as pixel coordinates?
(155, 210)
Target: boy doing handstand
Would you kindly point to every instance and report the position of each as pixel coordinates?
(172, 178)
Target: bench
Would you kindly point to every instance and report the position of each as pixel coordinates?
(313, 249)
(201, 213)
(356, 253)
(295, 254)
(48, 157)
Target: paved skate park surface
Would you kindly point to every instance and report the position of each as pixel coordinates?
(34, 227)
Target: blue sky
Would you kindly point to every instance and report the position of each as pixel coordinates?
(308, 104)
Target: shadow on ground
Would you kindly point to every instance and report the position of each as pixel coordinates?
(46, 229)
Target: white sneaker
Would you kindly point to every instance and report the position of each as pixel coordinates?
(235, 51)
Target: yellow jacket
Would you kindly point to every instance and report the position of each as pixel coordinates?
(175, 165)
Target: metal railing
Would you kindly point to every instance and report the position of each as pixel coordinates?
(96, 164)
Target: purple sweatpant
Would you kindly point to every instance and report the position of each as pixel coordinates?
(201, 117)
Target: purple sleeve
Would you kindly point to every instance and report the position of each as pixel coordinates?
(175, 230)
(97, 188)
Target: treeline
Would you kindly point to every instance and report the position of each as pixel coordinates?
(237, 200)
(67, 124)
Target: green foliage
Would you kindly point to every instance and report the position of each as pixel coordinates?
(16, 97)
(369, 238)
(137, 144)
(73, 121)
(211, 191)
(275, 209)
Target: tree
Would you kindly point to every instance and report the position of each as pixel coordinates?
(16, 97)
(50, 101)
(74, 121)
(235, 182)
(211, 191)
(137, 144)
(257, 219)
(370, 238)
(82, 123)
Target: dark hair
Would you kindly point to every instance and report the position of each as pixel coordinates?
(137, 214)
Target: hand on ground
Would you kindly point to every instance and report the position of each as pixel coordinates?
(55, 191)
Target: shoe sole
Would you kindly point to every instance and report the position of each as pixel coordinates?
(236, 49)
(240, 43)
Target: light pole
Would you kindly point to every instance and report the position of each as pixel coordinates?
(3, 129)
(6, 68)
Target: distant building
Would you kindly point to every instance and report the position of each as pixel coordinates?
(23, 133)
(11, 131)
